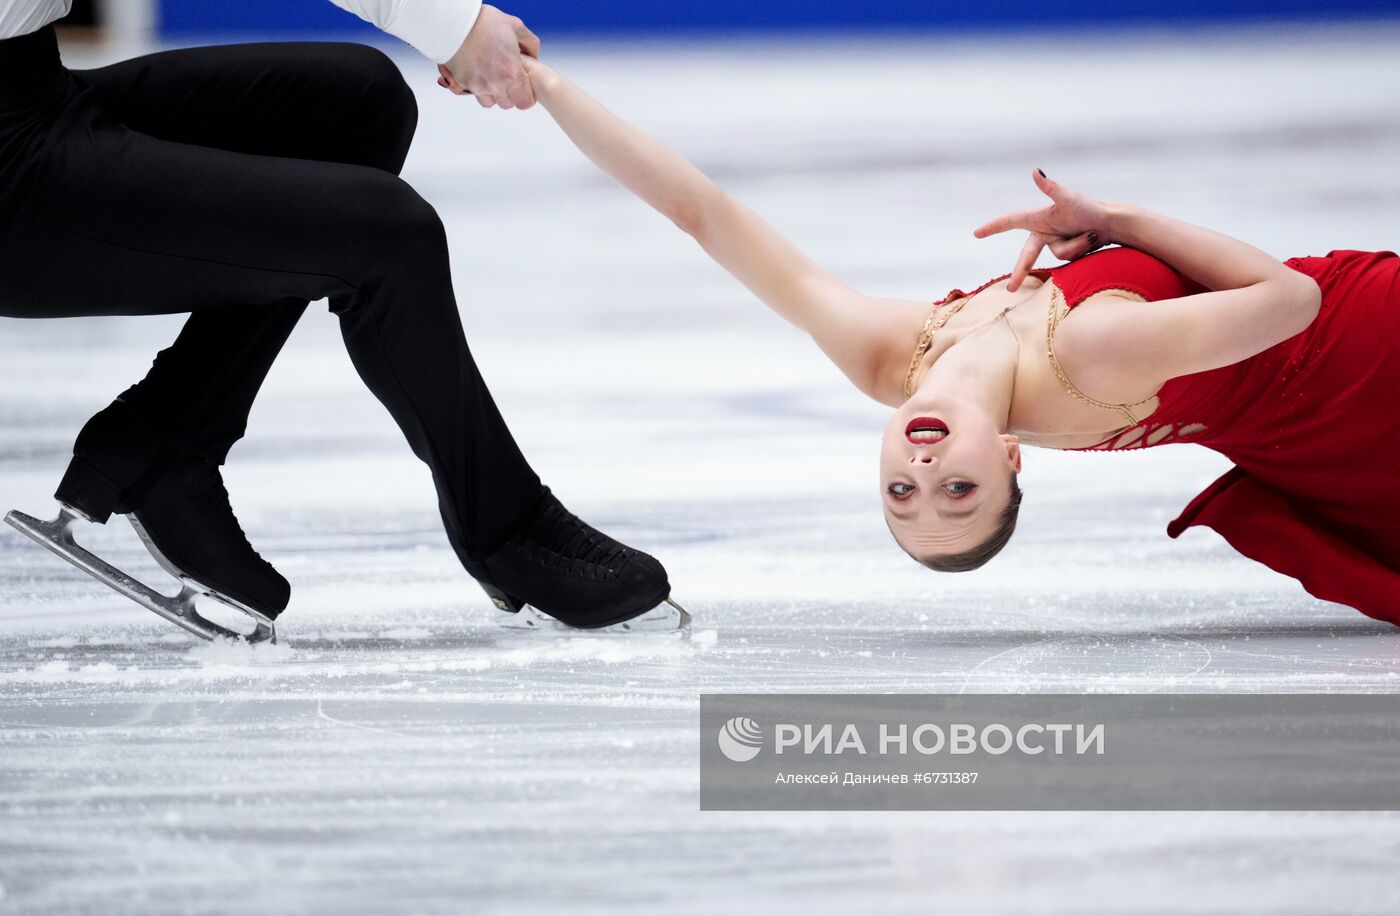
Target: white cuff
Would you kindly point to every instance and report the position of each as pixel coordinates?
(435, 27)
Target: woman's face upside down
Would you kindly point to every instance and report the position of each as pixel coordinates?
(946, 476)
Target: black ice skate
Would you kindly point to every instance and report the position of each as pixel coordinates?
(184, 519)
(560, 573)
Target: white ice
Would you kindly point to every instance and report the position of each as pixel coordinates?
(400, 754)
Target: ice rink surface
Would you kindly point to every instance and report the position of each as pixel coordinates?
(399, 753)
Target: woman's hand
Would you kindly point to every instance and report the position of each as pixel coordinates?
(1072, 225)
(542, 76)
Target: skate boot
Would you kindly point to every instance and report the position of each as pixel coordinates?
(182, 515)
(560, 573)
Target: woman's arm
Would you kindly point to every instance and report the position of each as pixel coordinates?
(859, 333)
(1257, 302)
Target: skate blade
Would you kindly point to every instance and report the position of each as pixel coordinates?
(57, 536)
(666, 617)
(264, 629)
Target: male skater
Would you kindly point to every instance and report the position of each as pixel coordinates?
(236, 184)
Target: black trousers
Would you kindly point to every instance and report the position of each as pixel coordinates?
(236, 184)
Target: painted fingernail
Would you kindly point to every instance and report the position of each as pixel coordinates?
(1042, 173)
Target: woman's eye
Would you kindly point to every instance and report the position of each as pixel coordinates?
(959, 488)
(900, 489)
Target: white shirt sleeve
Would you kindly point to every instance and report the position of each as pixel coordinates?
(22, 17)
(435, 27)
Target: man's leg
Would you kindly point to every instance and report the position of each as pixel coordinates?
(321, 101)
(142, 225)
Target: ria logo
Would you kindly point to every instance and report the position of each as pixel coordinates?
(740, 739)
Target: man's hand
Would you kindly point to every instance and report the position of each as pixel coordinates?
(489, 65)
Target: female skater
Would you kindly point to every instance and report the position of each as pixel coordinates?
(237, 183)
(1181, 335)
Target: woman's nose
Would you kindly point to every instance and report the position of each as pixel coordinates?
(929, 459)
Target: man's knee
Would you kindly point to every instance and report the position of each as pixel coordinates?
(390, 241)
(407, 229)
(389, 108)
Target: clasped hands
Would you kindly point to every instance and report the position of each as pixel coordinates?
(490, 64)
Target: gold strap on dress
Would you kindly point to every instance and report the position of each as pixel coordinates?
(931, 325)
(1058, 309)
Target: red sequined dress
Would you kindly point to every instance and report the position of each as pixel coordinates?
(1312, 425)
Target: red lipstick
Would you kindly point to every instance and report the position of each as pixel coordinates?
(926, 426)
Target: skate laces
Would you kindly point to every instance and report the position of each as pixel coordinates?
(214, 481)
(567, 538)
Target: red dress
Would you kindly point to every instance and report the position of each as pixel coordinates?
(1312, 425)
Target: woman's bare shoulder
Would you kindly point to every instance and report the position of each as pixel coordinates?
(890, 338)
(1094, 344)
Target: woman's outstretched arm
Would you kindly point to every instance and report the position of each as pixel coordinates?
(861, 334)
